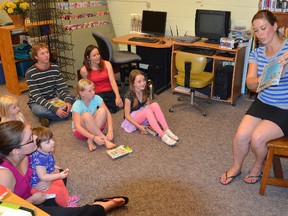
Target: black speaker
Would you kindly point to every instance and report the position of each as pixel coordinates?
(223, 82)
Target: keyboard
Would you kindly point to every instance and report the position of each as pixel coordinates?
(144, 39)
(199, 51)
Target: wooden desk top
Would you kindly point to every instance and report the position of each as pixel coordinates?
(202, 44)
(13, 198)
(124, 40)
(169, 43)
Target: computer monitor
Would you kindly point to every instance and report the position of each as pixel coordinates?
(154, 22)
(212, 24)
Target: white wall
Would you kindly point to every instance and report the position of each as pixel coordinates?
(3, 15)
(180, 12)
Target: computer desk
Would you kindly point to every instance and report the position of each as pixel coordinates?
(156, 59)
(161, 58)
(222, 88)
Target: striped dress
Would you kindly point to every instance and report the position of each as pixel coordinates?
(274, 95)
(47, 84)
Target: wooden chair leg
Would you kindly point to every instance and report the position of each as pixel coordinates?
(277, 167)
(267, 168)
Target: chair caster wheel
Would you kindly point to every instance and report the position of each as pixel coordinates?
(171, 110)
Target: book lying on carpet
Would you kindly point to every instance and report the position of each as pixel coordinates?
(11, 209)
(150, 130)
(119, 151)
(271, 76)
(57, 102)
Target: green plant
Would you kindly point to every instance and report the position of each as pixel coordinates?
(15, 7)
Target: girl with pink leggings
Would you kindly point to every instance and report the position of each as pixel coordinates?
(139, 113)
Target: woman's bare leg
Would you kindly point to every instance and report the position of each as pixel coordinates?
(240, 146)
(264, 132)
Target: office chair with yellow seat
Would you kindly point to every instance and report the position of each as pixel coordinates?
(124, 59)
(191, 75)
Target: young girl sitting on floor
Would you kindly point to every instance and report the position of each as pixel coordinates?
(9, 109)
(139, 113)
(90, 116)
(45, 170)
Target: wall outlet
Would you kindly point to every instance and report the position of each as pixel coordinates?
(148, 5)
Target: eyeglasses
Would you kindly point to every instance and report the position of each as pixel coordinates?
(29, 142)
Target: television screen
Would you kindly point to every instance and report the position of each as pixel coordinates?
(154, 22)
(212, 24)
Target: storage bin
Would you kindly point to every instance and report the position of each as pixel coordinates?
(2, 77)
(23, 66)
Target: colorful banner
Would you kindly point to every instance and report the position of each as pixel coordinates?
(69, 16)
(73, 27)
(74, 5)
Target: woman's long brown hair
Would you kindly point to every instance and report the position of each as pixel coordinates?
(86, 61)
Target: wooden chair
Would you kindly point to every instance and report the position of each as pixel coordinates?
(276, 148)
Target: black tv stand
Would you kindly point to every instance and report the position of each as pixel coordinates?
(212, 41)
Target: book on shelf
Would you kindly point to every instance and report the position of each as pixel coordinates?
(57, 102)
(271, 76)
(273, 5)
(119, 151)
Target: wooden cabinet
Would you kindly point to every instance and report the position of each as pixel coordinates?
(219, 59)
(13, 84)
(7, 40)
(282, 20)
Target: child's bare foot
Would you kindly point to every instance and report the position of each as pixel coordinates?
(109, 144)
(91, 145)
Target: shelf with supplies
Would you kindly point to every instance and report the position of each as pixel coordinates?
(220, 61)
(10, 36)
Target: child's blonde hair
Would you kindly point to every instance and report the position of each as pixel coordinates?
(43, 134)
(82, 84)
(6, 101)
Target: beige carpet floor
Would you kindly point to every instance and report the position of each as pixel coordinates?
(162, 180)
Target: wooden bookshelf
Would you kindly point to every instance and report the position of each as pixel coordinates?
(7, 40)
